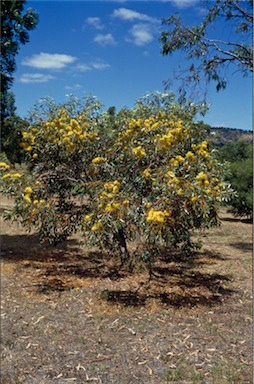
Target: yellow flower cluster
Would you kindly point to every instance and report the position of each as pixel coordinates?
(201, 149)
(156, 217)
(112, 186)
(147, 174)
(150, 124)
(27, 196)
(98, 160)
(175, 161)
(175, 134)
(4, 165)
(28, 139)
(194, 199)
(107, 202)
(146, 125)
(173, 180)
(87, 218)
(62, 131)
(165, 141)
(11, 176)
(139, 152)
(112, 208)
(202, 179)
(111, 201)
(97, 226)
(190, 155)
(139, 126)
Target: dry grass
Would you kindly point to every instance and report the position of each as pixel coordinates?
(70, 315)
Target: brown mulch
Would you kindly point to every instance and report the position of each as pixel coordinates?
(70, 315)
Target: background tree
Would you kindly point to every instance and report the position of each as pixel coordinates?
(210, 58)
(15, 25)
(13, 127)
(241, 179)
(240, 175)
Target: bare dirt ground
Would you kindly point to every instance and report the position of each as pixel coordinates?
(69, 315)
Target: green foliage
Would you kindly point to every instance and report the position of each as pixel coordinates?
(210, 57)
(148, 173)
(235, 151)
(241, 179)
(15, 24)
(11, 138)
(239, 174)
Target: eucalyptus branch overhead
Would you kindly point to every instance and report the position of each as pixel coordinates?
(210, 56)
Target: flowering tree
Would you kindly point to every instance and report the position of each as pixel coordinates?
(149, 172)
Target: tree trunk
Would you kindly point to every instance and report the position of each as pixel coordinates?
(120, 238)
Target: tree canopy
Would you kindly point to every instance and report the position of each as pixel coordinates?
(210, 57)
(148, 176)
(15, 25)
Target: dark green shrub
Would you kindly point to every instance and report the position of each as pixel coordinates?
(241, 179)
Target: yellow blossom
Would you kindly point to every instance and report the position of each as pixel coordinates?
(155, 217)
(98, 160)
(4, 165)
(6, 176)
(27, 199)
(87, 218)
(174, 162)
(112, 208)
(115, 189)
(28, 190)
(109, 209)
(35, 155)
(146, 173)
(139, 151)
(201, 176)
(16, 175)
(189, 155)
(97, 226)
(179, 158)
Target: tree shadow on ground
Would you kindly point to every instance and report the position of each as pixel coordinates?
(173, 281)
(29, 247)
(242, 246)
(237, 220)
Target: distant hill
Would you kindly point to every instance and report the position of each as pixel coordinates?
(232, 135)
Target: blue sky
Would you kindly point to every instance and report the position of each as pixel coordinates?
(110, 49)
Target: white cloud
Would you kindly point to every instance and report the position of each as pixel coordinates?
(83, 67)
(104, 40)
(28, 78)
(72, 87)
(100, 66)
(130, 15)
(184, 3)
(97, 65)
(94, 22)
(48, 61)
(141, 34)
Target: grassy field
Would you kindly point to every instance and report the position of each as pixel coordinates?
(69, 315)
